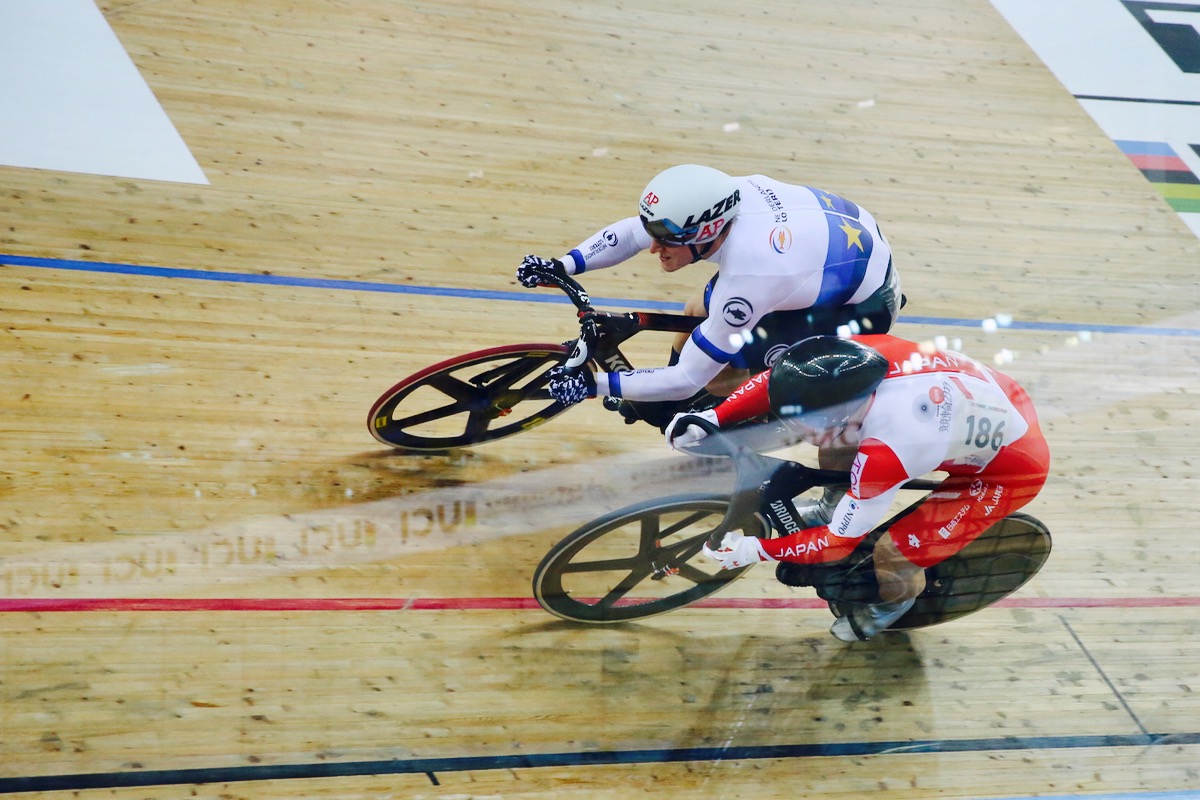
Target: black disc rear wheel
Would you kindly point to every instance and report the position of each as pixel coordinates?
(999, 562)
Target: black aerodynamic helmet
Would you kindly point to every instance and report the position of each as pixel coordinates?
(821, 381)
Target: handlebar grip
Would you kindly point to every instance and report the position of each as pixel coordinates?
(574, 291)
(715, 444)
(703, 424)
(585, 344)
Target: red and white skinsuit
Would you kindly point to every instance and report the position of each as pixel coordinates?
(936, 410)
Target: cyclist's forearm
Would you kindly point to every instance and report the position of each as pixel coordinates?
(746, 402)
(694, 370)
(608, 247)
(659, 384)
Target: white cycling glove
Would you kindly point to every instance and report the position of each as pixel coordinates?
(682, 434)
(738, 550)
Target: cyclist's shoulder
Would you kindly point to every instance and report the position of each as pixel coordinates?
(918, 358)
(762, 192)
(775, 240)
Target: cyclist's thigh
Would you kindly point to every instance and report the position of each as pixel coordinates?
(963, 507)
(954, 515)
(878, 312)
(779, 330)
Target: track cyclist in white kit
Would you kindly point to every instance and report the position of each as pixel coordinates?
(791, 261)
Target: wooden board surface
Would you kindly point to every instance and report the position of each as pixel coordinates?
(236, 580)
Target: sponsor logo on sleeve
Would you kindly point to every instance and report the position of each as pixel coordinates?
(737, 312)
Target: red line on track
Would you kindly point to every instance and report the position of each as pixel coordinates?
(127, 604)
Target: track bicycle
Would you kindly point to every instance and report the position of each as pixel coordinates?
(645, 559)
(498, 392)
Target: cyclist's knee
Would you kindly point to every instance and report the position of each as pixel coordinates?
(694, 307)
(727, 380)
(899, 578)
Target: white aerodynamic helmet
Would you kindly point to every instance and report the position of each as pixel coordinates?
(689, 205)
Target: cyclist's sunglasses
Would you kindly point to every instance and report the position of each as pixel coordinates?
(668, 233)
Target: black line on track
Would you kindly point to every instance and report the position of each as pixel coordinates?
(1104, 676)
(1151, 100)
(432, 766)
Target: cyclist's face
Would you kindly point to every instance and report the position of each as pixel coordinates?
(842, 434)
(822, 437)
(671, 258)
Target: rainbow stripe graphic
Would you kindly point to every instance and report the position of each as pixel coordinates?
(1163, 167)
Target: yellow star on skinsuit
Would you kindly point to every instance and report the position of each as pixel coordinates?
(827, 200)
(852, 236)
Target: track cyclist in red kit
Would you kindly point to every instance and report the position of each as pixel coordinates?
(889, 410)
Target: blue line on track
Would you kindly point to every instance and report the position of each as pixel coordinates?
(527, 296)
(432, 766)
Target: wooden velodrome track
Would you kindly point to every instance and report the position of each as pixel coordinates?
(216, 584)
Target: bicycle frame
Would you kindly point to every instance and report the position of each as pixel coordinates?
(763, 481)
(616, 328)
